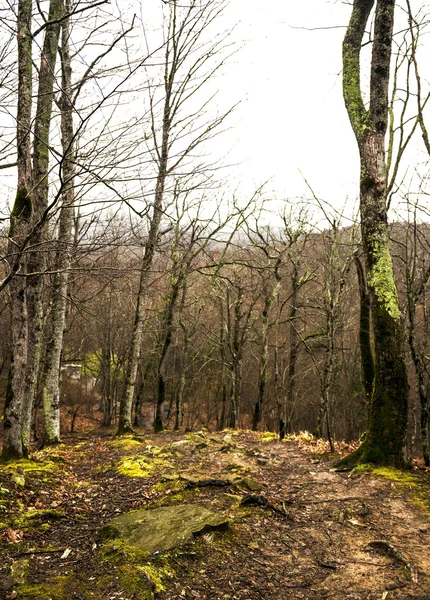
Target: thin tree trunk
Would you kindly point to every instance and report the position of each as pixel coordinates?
(167, 329)
(420, 373)
(51, 387)
(293, 355)
(126, 405)
(264, 360)
(179, 418)
(106, 382)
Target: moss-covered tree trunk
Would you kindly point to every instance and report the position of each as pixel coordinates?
(386, 437)
(18, 232)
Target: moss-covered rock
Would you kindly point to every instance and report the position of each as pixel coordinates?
(163, 528)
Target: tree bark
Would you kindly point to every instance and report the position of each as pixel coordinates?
(51, 387)
(386, 438)
(293, 354)
(19, 229)
(366, 352)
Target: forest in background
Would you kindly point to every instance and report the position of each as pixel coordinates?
(137, 292)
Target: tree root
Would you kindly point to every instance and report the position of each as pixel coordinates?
(208, 483)
(254, 500)
(349, 462)
(387, 549)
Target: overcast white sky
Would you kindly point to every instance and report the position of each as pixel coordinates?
(293, 119)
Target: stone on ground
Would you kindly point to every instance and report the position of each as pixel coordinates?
(163, 528)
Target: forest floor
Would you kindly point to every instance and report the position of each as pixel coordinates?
(297, 528)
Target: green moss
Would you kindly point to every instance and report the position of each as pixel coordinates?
(181, 497)
(36, 519)
(417, 491)
(134, 467)
(155, 575)
(55, 453)
(50, 590)
(118, 552)
(19, 570)
(163, 487)
(268, 436)
(196, 437)
(28, 466)
(136, 582)
(22, 206)
(381, 279)
(389, 473)
(126, 442)
(140, 466)
(137, 575)
(71, 586)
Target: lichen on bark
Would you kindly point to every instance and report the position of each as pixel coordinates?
(381, 280)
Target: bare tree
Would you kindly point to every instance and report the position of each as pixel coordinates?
(26, 218)
(386, 437)
(188, 65)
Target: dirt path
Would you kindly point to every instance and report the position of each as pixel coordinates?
(297, 528)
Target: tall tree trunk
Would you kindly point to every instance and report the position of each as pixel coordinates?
(264, 360)
(179, 414)
(386, 438)
(126, 405)
(51, 387)
(167, 333)
(420, 370)
(18, 232)
(36, 258)
(293, 354)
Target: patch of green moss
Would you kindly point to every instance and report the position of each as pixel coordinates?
(19, 570)
(381, 279)
(268, 436)
(52, 453)
(155, 575)
(28, 466)
(418, 493)
(126, 442)
(49, 590)
(136, 582)
(181, 497)
(71, 586)
(36, 518)
(390, 473)
(140, 466)
(163, 487)
(118, 552)
(137, 575)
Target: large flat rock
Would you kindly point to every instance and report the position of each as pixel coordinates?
(163, 528)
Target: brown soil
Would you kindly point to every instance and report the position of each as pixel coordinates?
(315, 537)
